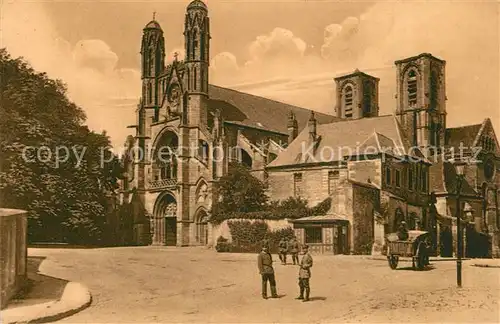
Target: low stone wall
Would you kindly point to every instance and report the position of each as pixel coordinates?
(223, 229)
(13, 253)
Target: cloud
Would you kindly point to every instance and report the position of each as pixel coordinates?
(224, 68)
(89, 68)
(95, 54)
(279, 44)
(276, 55)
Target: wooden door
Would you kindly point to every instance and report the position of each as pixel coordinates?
(170, 231)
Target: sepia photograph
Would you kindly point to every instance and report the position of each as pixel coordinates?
(249, 161)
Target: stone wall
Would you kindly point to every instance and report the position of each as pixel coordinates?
(314, 185)
(223, 229)
(13, 253)
(365, 202)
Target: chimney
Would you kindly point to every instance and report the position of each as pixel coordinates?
(312, 127)
(293, 127)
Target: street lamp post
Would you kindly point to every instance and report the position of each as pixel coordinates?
(459, 167)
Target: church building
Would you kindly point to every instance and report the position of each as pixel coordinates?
(378, 169)
(188, 131)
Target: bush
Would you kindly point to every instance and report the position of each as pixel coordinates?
(248, 237)
(276, 236)
(222, 245)
(247, 233)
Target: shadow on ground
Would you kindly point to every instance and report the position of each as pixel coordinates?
(317, 298)
(40, 288)
(428, 268)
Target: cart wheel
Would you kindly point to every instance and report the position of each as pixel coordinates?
(422, 258)
(393, 261)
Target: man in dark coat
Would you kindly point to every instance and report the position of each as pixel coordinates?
(283, 249)
(305, 273)
(402, 231)
(294, 250)
(266, 270)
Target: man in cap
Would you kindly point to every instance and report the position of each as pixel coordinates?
(265, 264)
(305, 273)
(294, 250)
(283, 249)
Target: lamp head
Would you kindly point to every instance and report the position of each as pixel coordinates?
(459, 166)
(468, 209)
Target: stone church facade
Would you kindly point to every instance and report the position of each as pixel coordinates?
(188, 131)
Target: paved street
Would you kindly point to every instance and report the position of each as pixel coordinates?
(163, 285)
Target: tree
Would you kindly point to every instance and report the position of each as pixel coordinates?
(50, 163)
(240, 191)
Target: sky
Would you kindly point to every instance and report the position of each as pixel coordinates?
(285, 50)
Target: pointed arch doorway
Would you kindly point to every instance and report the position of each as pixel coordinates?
(164, 225)
(202, 227)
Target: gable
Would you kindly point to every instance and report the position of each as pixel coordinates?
(338, 140)
(487, 139)
(464, 134)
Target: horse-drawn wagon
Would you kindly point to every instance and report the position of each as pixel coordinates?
(416, 247)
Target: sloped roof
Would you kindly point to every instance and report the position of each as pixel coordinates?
(343, 138)
(254, 111)
(379, 143)
(251, 110)
(153, 24)
(464, 134)
(329, 218)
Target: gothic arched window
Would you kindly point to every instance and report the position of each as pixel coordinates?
(151, 62)
(195, 79)
(367, 97)
(195, 44)
(150, 93)
(348, 100)
(202, 80)
(434, 90)
(412, 88)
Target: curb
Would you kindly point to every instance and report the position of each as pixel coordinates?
(485, 265)
(384, 258)
(75, 298)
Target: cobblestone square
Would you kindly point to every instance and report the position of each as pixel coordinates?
(165, 285)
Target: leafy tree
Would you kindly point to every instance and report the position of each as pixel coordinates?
(240, 191)
(242, 196)
(65, 194)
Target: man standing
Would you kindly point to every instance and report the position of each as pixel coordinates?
(265, 264)
(283, 246)
(305, 273)
(402, 231)
(294, 250)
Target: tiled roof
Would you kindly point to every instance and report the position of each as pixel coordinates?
(465, 134)
(378, 143)
(320, 219)
(250, 110)
(258, 112)
(343, 138)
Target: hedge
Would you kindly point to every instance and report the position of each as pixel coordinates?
(248, 237)
(291, 208)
